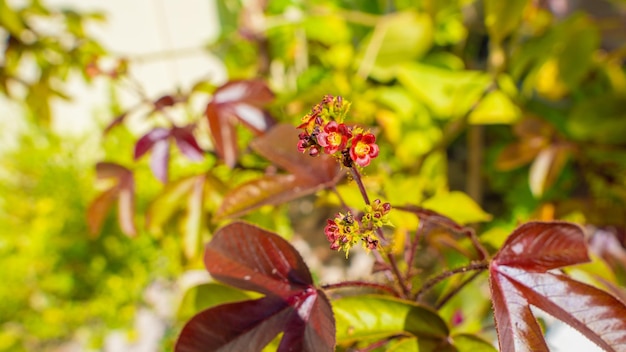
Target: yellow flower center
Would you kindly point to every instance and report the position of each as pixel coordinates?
(362, 148)
(334, 138)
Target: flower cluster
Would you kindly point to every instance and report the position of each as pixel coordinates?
(344, 231)
(323, 130)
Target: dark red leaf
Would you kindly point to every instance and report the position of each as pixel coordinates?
(595, 313)
(517, 327)
(268, 190)
(250, 258)
(279, 145)
(250, 325)
(223, 135)
(541, 246)
(117, 121)
(520, 276)
(187, 143)
(311, 327)
(163, 102)
(146, 142)
(237, 100)
(238, 326)
(308, 174)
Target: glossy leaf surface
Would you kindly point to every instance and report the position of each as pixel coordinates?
(521, 276)
(250, 258)
(308, 174)
(375, 317)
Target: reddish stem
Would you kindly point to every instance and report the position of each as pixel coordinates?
(360, 284)
(480, 266)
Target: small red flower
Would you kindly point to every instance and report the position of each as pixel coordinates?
(332, 231)
(334, 137)
(364, 149)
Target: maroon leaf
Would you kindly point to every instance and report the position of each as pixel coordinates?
(308, 174)
(234, 327)
(279, 145)
(541, 246)
(243, 326)
(250, 258)
(123, 191)
(163, 102)
(146, 142)
(117, 121)
(158, 140)
(237, 100)
(187, 143)
(521, 276)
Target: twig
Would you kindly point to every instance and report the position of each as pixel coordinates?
(456, 290)
(483, 265)
(360, 284)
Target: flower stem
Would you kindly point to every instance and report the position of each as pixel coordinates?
(360, 284)
(442, 302)
(357, 178)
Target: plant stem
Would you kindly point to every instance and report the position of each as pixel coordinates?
(406, 292)
(456, 290)
(480, 266)
(360, 284)
(356, 176)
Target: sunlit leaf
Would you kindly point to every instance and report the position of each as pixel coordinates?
(501, 18)
(375, 317)
(193, 220)
(250, 258)
(400, 37)
(495, 108)
(546, 167)
(521, 276)
(458, 206)
(472, 343)
(309, 174)
(448, 94)
(237, 101)
(208, 295)
(123, 190)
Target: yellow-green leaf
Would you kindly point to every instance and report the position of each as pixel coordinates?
(458, 206)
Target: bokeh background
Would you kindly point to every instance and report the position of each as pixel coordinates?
(490, 112)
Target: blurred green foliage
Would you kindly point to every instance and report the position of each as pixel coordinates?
(484, 112)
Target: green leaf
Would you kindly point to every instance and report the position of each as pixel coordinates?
(165, 205)
(208, 295)
(10, 20)
(495, 108)
(401, 37)
(378, 317)
(458, 206)
(472, 343)
(193, 220)
(502, 17)
(446, 93)
(413, 344)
